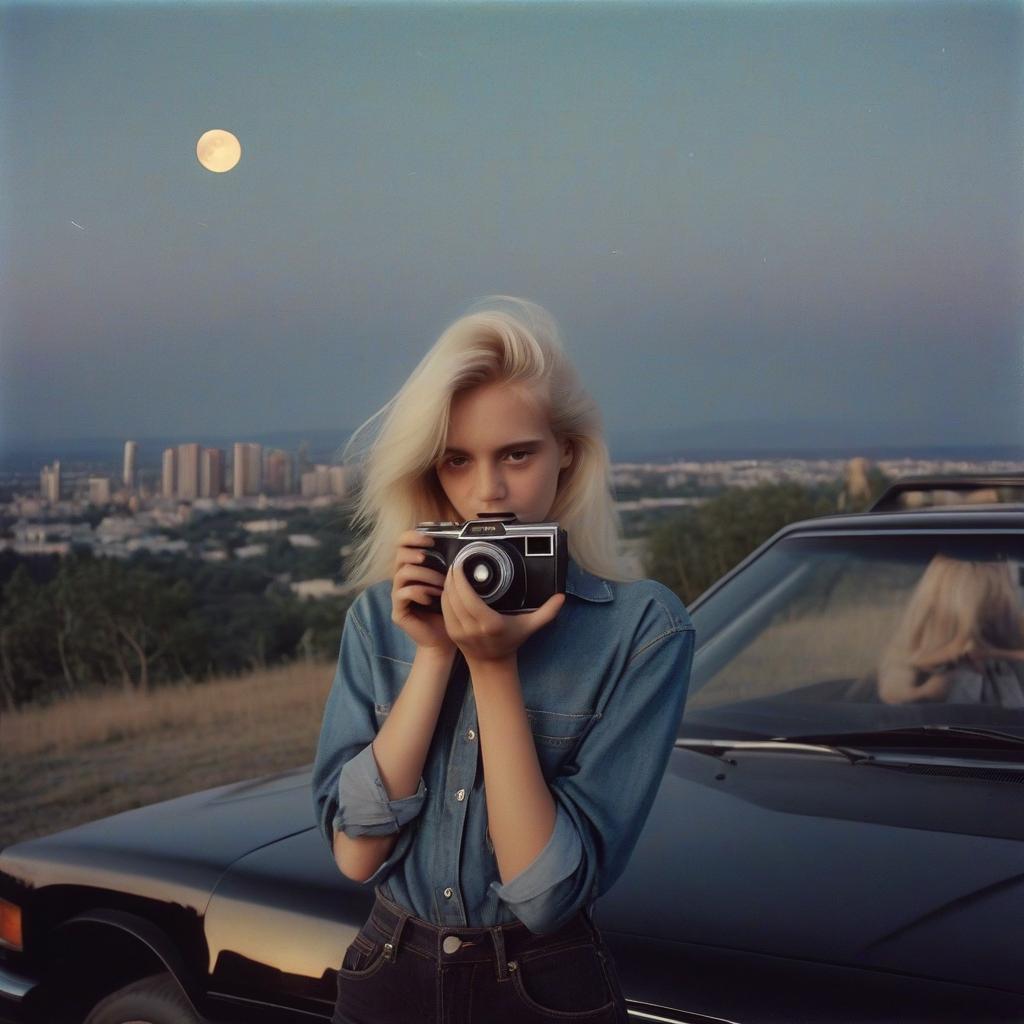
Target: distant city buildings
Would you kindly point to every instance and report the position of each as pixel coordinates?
(315, 589)
(193, 482)
(325, 480)
(264, 525)
(190, 472)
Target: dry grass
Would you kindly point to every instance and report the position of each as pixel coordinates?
(89, 756)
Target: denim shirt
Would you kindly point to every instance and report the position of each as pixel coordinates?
(604, 685)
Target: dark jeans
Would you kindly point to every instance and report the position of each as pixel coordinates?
(401, 969)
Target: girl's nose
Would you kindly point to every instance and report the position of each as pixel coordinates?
(491, 486)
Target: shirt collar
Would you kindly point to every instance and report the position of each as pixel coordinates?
(585, 584)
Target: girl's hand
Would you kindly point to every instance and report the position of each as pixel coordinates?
(413, 585)
(481, 633)
(897, 684)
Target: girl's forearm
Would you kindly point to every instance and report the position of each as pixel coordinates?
(400, 750)
(520, 807)
(401, 745)
(358, 857)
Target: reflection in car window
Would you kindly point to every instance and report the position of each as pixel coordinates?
(795, 642)
(960, 638)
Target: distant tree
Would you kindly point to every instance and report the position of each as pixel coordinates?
(134, 615)
(28, 661)
(81, 621)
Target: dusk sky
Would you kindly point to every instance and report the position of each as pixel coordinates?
(748, 218)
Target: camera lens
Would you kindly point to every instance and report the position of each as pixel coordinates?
(488, 569)
(481, 571)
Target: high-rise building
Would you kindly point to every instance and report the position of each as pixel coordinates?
(247, 469)
(317, 482)
(308, 484)
(188, 471)
(338, 476)
(211, 473)
(49, 481)
(254, 467)
(302, 458)
(238, 469)
(280, 472)
(99, 490)
(170, 472)
(131, 452)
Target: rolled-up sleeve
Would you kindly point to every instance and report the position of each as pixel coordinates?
(364, 808)
(348, 793)
(601, 809)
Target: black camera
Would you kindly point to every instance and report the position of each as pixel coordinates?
(514, 567)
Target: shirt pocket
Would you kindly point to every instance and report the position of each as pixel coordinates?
(556, 736)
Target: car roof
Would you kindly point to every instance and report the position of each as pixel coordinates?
(932, 519)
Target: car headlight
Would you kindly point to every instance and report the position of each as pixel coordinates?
(10, 925)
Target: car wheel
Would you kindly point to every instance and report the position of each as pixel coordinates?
(156, 999)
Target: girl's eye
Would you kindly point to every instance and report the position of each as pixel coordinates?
(453, 461)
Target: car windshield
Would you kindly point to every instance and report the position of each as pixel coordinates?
(836, 633)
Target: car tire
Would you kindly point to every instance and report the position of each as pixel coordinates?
(155, 999)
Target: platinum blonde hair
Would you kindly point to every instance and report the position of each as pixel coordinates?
(960, 612)
(502, 339)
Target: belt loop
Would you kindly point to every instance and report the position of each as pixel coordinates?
(499, 951)
(403, 915)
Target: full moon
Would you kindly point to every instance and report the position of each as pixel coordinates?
(218, 150)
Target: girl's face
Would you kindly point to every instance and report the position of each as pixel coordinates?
(501, 455)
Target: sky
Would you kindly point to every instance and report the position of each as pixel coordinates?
(749, 219)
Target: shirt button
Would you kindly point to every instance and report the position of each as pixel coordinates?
(448, 894)
(461, 795)
(470, 735)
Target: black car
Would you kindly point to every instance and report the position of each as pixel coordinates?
(821, 849)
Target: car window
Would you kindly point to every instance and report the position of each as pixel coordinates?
(851, 632)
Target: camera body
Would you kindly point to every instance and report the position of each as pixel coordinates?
(514, 567)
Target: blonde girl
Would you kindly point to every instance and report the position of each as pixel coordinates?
(488, 774)
(961, 638)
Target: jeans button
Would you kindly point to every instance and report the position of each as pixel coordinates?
(451, 943)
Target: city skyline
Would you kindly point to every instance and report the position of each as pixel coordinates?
(655, 447)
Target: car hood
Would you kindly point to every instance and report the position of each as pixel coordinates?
(813, 858)
(173, 850)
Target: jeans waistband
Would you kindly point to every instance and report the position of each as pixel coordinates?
(499, 944)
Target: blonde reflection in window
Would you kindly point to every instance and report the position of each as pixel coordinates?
(961, 638)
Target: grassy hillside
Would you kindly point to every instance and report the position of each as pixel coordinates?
(87, 757)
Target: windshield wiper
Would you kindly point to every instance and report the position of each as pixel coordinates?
(956, 735)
